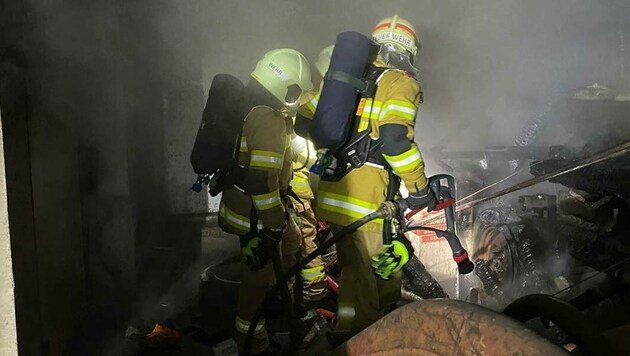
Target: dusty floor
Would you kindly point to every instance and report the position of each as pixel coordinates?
(201, 310)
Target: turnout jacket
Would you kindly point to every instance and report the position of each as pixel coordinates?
(261, 181)
(361, 191)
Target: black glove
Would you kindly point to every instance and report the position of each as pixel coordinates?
(270, 238)
(258, 250)
(418, 200)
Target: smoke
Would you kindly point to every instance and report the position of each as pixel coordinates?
(116, 91)
(487, 68)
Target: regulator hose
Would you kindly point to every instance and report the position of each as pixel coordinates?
(386, 210)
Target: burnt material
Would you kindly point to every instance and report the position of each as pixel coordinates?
(421, 282)
(588, 338)
(490, 281)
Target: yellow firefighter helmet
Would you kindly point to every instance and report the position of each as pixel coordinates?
(285, 73)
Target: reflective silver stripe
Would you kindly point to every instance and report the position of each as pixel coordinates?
(269, 159)
(413, 158)
(239, 188)
(236, 220)
(244, 224)
(392, 107)
(346, 311)
(267, 201)
(372, 111)
(242, 326)
(347, 206)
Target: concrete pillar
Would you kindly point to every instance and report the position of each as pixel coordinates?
(8, 330)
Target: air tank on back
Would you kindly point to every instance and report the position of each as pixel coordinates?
(340, 95)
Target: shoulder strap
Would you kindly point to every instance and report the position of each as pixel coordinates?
(376, 73)
(365, 87)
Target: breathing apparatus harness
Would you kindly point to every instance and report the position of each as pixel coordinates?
(359, 147)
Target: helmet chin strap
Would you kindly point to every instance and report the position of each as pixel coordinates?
(290, 109)
(398, 59)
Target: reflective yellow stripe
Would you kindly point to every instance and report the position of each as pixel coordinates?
(265, 159)
(370, 111)
(304, 190)
(267, 201)
(300, 184)
(314, 274)
(237, 221)
(242, 326)
(243, 144)
(363, 125)
(352, 207)
(400, 108)
(299, 180)
(406, 161)
(312, 104)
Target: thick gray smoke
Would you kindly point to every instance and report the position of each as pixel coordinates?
(487, 67)
(116, 90)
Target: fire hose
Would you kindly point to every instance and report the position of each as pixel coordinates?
(388, 210)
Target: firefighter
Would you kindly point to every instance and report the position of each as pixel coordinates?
(321, 64)
(370, 280)
(315, 287)
(313, 275)
(256, 207)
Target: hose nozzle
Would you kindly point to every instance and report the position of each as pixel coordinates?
(388, 210)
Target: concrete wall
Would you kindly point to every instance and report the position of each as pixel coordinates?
(86, 164)
(8, 327)
(16, 155)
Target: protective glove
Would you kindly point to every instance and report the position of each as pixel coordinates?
(418, 200)
(392, 258)
(257, 250)
(253, 253)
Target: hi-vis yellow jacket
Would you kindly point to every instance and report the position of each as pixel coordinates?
(304, 156)
(265, 158)
(360, 192)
